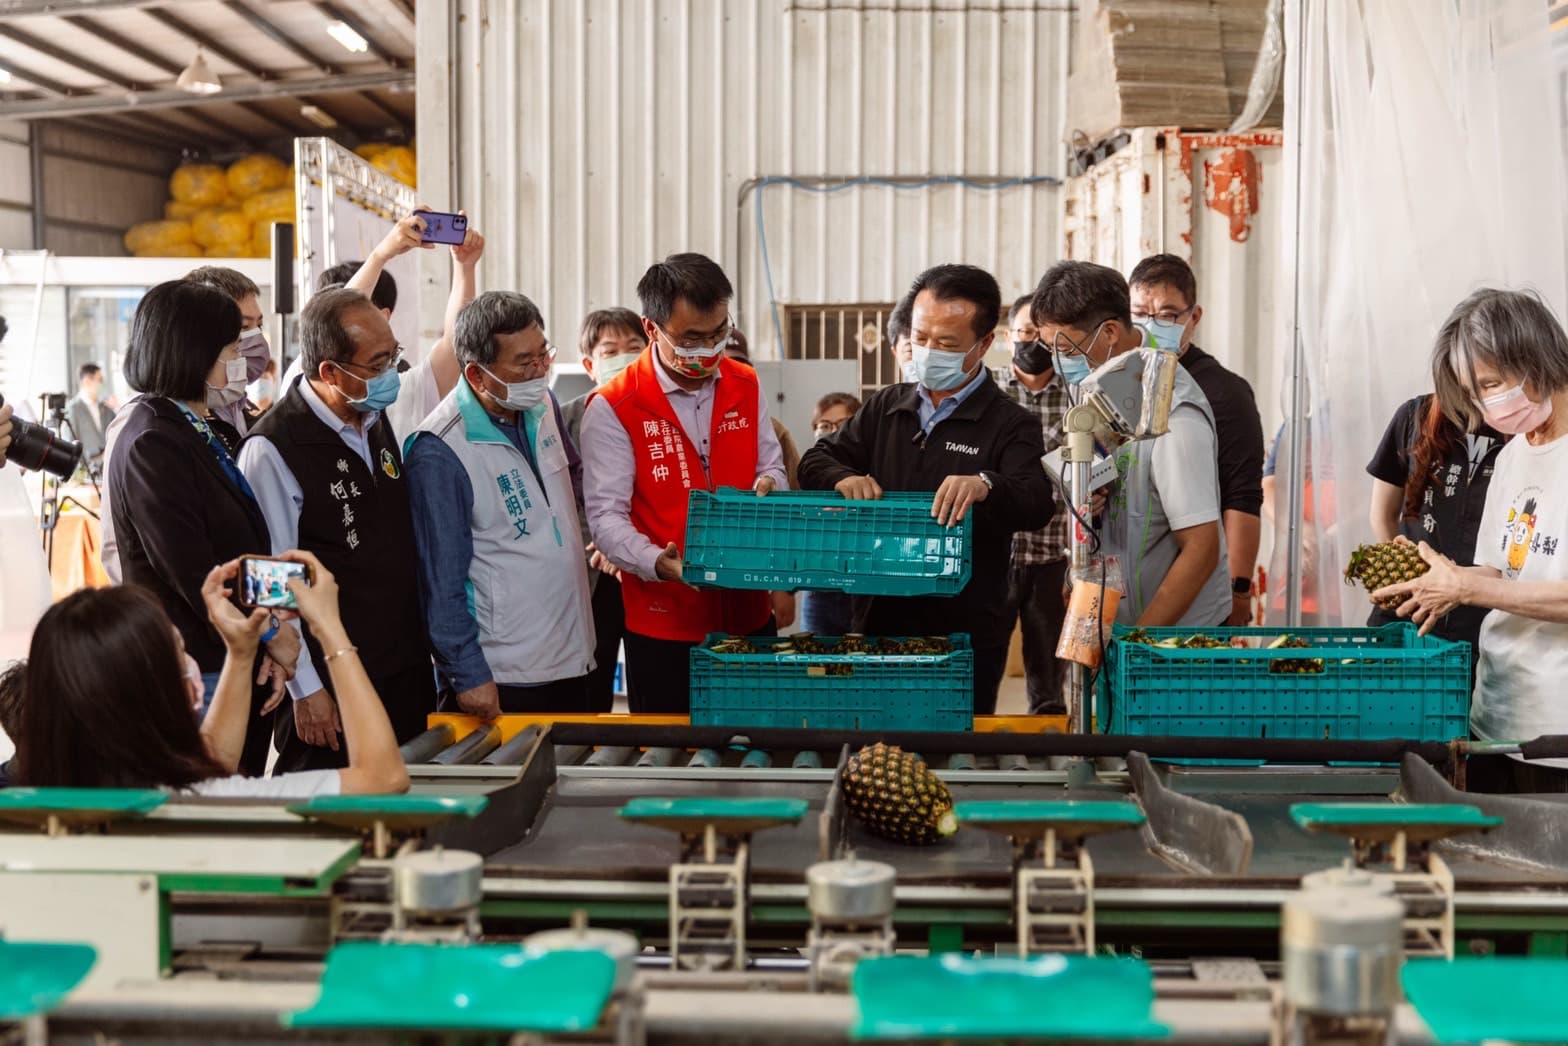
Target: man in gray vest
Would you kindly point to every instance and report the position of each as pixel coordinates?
(495, 484)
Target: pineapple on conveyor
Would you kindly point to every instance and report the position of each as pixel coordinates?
(897, 797)
(1389, 563)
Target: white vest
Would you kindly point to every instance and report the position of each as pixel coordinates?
(528, 580)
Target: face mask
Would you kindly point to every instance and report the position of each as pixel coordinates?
(254, 351)
(1073, 368)
(521, 395)
(908, 370)
(232, 392)
(380, 391)
(1031, 357)
(939, 371)
(263, 389)
(1512, 412)
(606, 371)
(1162, 335)
(697, 363)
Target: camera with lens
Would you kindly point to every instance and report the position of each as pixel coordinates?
(41, 447)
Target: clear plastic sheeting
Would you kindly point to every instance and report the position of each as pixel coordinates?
(1425, 151)
(1266, 75)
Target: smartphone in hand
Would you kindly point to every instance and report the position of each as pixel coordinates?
(264, 582)
(441, 227)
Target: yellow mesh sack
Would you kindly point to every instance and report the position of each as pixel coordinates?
(174, 250)
(275, 205)
(257, 173)
(157, 236)
(200, 184)
(177, 211)
(400, 162)
(212, 227)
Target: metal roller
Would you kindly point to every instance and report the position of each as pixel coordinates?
(851, 892)
(611, 755)
(438, 882)
(514, 751)
(960, 761)
(756, 759)
(427, 744)
(705, 758)
(658, 757)
(1341, 948)
(472, 748)
(569, 755)
(1012, 762)
(807, 761)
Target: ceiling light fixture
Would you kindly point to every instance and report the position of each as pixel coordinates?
(198, 78)
(5, 76)
(345, 35)
(318, 116)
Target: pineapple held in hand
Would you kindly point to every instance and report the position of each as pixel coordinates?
(896, 796)
(1389, 563)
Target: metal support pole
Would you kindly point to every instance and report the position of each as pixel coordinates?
(1079, 456)
(35, 155)
(1296, 459)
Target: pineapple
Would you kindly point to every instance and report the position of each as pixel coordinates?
(1298, 666)
(894, 795)
(1389, 563)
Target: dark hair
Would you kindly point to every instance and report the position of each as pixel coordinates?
(383, 297)
(323, 335)
(104, 703)
(963, 283)
(1435, 438)
(899, 319)
(1081, 295)
(836, 399)
(601, 320)
(176, 336)
(1021, 302)
(1513, 331)
(737, 348)
(1167, 270)
(88, 370)
(230, 281)
(12, 680)
(694, 277)
(492, 313)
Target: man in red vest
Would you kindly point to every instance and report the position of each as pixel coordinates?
(682, 417)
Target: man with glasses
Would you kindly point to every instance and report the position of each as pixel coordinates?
(1161, 517)
(1165, 303)
(1039, 567)
(954, 432)
(682, 417)
(494, 479)
(327, 470)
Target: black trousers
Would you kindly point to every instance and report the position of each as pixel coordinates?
(990, 663)
(409, 697)
(1034, 593)
(1501, 774)
(566, 696)
(658, 673)
(609, 624)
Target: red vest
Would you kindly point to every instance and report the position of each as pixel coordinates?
(668, 468)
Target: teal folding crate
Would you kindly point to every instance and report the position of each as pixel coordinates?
(1351, 683)
(832, 691)
(802, 540)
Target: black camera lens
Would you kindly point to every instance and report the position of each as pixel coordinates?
(35, 447)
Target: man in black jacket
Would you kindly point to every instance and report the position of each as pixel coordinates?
(955, 433)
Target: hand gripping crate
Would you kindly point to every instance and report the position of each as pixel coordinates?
(832, 691)
(804, 540)
(1351, 683)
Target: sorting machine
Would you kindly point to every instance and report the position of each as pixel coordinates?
(678, 883)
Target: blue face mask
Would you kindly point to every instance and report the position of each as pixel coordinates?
(380, 391)
(1163, 335)
(937, 370)
(1072, 369)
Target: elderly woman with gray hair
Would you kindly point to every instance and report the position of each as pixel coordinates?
(1502, 357)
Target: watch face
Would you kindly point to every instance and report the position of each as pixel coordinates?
(1241, 586)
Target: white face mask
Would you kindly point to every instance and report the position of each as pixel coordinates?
(521, 395)
(910, 372)
(232, 392)
(606, 370)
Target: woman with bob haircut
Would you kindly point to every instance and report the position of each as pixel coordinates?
(105, 702)
(1502, 358)
(177, 499)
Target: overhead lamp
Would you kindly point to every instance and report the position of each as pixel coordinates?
(5, 76)
(344, 34)
(198, 78)
(318, 116)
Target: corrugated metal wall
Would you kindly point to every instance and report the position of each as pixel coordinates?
(588, 139)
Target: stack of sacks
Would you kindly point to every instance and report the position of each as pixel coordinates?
(217, 213)
(398, 161)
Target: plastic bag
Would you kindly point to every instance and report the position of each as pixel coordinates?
(275, 205)
(225, 226)
(157, 237)
(258, 173)
(200, 184)
(174, 210)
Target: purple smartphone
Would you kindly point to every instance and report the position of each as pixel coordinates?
(441, 227)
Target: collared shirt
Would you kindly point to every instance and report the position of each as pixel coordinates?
(1048, 544)
(932, 412)
(282, 499)
(612, 466)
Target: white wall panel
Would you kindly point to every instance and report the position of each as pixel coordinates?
(587, 139)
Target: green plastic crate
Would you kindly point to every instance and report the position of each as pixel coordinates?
(1375, 683)
(801, 540)
(833, 691)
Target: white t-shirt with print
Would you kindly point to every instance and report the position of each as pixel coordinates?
(303, 784)
(1522, 662)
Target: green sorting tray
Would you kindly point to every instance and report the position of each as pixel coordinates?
(76, 806)
(470, 987)
(813, 540)
(1071, 818)
(36, 975)
(1047, 997)
(1490, 1000)
(1378, 820)
(394, 811)
(728, 815)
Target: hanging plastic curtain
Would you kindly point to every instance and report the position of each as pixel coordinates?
(1427, 152)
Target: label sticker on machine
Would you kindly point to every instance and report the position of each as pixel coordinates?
(710, 575)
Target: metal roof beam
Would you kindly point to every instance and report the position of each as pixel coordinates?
(175, 98)
(393, 117)
(206, 42)
(406, 7)
(123, 43)
(117, 128)
(37, 80)
(332, 10)
(64, 57)
(12, 8)
(262, 25)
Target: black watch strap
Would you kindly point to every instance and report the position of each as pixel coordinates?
(1241, 586)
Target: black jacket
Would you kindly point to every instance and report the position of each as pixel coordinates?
(987, 433)
(176, 516)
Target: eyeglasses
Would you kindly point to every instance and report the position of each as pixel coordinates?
(1164, 315)
(538, 361)
(376, 372)
(827, 428)
(1025, 334)
(1063, 344)
(709, 343)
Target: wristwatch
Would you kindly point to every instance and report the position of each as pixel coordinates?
(987, 481)
(273, 625)
(1241, 586)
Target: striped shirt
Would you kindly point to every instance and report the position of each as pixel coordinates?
(1049, 544)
